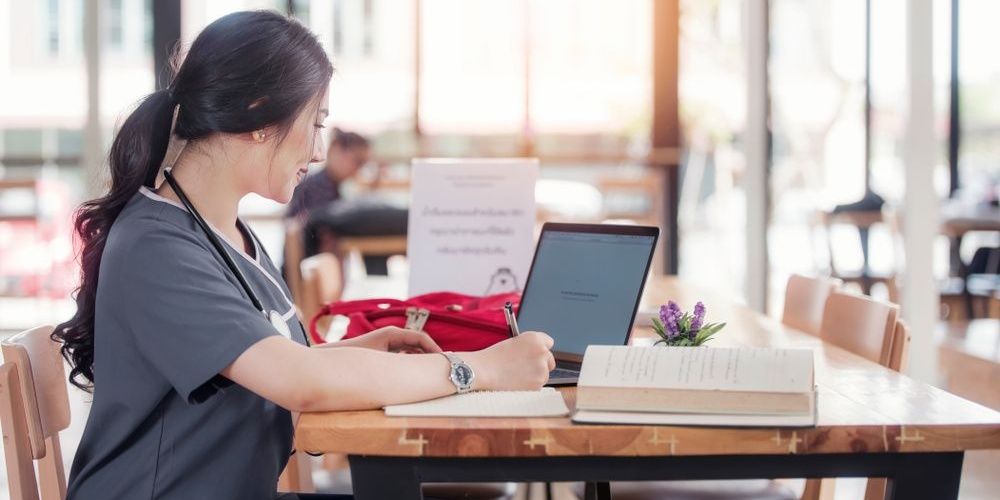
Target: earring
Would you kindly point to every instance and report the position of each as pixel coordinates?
(258, 135)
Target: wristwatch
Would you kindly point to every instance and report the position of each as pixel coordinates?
(461, 374)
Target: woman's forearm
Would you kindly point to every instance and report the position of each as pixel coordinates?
(300, 378)
(352, 378)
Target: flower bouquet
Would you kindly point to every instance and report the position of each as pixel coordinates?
(681, 329)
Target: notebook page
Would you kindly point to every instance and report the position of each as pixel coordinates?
(547, 402)
(699, 368)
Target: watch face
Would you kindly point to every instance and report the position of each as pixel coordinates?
(462, 375)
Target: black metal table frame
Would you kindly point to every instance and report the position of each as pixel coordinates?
(911, 475)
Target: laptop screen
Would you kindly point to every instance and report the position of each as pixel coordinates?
(584, 287)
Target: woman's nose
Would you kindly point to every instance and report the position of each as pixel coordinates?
(319, 154)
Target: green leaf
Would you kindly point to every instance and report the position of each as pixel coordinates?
(657, 324)
(658, 328)
(707, 331)
(688, 319)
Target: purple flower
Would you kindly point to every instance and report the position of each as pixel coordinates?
(664, 315)
(699, 317)
(670, 315)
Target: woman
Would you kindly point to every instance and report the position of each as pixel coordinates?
(184, 329)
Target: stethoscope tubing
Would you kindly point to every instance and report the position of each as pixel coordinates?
(215, 241)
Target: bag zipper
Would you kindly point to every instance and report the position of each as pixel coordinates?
(440, 317)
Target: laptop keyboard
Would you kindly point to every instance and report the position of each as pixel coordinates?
(563, 373)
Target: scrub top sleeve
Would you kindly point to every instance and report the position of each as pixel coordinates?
(189, 319)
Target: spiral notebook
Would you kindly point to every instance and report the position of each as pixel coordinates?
(547, 402)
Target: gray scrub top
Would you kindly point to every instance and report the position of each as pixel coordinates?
(169, 317)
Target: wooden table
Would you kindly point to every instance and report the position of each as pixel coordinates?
(957, 219)
(872, 422)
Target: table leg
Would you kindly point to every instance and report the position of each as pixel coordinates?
(926, 476)
(597, 491)
(375, 479)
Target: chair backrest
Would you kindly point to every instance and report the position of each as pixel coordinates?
(805, 299)
(322, 282)
(900, 348)
(859, 324)
(294, 253)
(45, 399)
(372, 245)
(16, 445)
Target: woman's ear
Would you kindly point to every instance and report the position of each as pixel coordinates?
(261, 135)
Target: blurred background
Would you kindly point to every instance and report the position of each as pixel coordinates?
(765, 137)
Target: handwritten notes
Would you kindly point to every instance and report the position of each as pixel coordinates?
(471, 225)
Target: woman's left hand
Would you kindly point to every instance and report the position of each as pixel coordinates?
(392, 339)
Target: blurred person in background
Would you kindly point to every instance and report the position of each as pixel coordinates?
(325, 213)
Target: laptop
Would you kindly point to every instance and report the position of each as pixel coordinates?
(584, 288)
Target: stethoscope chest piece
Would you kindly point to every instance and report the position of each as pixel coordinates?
(279, 324)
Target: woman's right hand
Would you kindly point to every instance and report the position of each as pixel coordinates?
(517, 364)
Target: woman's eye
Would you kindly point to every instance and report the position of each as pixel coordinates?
(320, 125)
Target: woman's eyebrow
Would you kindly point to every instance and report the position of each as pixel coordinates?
(325, 111)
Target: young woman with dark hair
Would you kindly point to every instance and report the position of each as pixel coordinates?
(184, 329)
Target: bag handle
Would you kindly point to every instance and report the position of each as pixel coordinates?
(345, 309)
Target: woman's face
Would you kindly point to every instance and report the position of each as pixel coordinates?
(289, 159)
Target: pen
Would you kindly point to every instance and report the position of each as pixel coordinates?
(508, 314)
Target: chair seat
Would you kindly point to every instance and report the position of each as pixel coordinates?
(470, 491)
(751, 489)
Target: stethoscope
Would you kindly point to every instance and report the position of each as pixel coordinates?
(277, 321)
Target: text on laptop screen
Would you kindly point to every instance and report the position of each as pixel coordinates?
(584, 288)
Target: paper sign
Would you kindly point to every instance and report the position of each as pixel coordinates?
(471, 225)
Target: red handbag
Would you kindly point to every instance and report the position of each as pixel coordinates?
(456, 322)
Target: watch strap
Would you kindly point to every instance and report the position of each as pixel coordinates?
(454, 362)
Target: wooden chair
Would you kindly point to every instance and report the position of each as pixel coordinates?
(322, 282)
(805, 299)
(860, 324)
(294, 253)
(870, 329)
(899, 348)
(863, 221)
(372, 245)
(34, 406)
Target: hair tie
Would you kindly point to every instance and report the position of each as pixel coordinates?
(175, 145)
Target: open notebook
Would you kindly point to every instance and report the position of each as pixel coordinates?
(544, 403)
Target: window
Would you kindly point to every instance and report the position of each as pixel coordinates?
(979, 77)
(114, 18)
(712, 87)
(52, 27)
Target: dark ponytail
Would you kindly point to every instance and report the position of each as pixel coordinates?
(244, 72)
